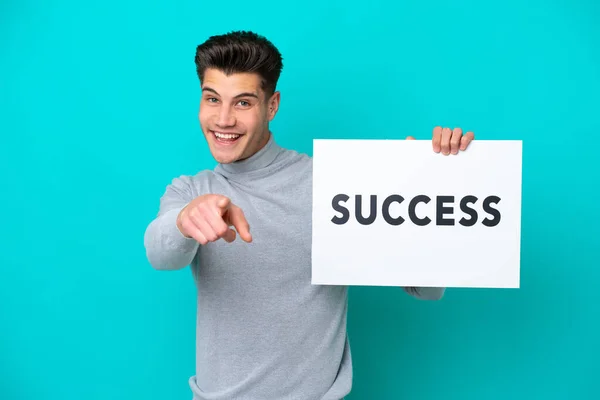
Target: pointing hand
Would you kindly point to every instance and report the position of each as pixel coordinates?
(209, 217)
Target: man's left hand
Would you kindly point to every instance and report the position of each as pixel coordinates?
(449, 141)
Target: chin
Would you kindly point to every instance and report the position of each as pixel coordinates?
(224, 157)
(226, 152)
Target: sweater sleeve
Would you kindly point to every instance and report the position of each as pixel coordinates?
(166, 247)
(426, 293)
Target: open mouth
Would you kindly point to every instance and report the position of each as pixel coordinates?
(226, 138)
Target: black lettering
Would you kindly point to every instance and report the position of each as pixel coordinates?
(412, 213)
(385, 210)
(335, 203)
(372, 215)
(441, 210)
(468, 210)
(492, 211)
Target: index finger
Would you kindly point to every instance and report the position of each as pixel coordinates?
(238, 220)
(464, 142)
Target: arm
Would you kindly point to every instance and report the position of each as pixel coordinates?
(166, 247)
(425, 293)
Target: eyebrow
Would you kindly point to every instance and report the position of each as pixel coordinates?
(245, 94)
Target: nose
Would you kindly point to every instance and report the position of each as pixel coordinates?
(226, 117)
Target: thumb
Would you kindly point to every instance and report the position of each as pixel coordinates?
(410, 138)
(223, 203)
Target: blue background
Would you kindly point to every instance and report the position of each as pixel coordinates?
(98, 112)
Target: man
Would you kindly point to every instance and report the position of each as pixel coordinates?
(263, 330)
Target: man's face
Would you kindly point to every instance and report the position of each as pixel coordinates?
(234, 114)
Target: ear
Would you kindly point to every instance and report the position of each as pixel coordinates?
(273, 105)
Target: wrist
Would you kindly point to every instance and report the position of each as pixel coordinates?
(178, 222)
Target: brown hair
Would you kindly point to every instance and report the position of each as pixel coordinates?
(241, 51)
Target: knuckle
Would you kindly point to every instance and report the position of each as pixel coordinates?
(208, 235)
(188, 216)
(204, 210)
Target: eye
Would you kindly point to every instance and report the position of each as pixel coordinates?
(244, 103)
(211, 99)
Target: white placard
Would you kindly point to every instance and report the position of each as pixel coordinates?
(399, 248)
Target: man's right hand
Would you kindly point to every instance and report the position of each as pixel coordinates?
(209, 217)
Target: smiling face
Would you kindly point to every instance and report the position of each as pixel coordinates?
(234, 114)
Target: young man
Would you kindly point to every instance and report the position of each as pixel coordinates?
(263, 330)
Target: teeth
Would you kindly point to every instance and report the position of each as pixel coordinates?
(229, 136)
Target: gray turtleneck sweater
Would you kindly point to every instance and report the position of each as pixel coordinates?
(263, 332)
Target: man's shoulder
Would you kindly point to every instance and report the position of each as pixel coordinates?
(297, 158)
(196, 183)
(201, 176)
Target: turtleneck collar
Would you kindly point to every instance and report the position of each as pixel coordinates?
(261, 159)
